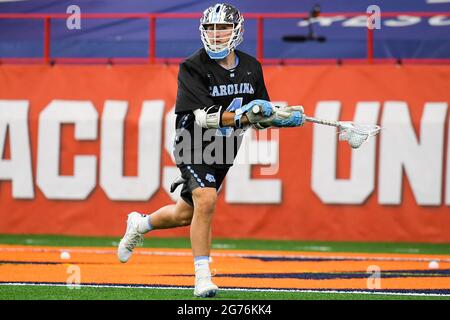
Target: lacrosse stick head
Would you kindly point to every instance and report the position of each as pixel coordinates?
(356, 134)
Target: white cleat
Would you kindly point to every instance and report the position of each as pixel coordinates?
(131, 239)
(205, 288)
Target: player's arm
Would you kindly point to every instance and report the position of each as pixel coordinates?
(215, 116)
(228, 119)
(262, 114)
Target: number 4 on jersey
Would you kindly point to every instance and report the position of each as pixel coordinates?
(235, 104)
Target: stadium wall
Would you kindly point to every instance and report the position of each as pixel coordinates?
(81, 146)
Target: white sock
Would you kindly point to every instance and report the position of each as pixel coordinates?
(145, 225)
(202, 267)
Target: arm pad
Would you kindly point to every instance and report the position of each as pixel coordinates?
(209, 117)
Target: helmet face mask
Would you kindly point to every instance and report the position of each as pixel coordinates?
(221, 29)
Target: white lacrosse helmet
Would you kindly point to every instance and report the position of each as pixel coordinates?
(221, 13)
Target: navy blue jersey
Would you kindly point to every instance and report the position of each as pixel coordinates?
(202, 82)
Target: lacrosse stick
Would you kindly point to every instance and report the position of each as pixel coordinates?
(355, 134)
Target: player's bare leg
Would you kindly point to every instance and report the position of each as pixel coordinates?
(204, 207)
(171, 216)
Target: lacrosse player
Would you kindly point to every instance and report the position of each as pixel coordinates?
(218, 89)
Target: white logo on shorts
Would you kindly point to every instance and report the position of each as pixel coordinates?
(210, 178)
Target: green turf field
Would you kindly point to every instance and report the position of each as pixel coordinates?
(86, 293)
(42, 292)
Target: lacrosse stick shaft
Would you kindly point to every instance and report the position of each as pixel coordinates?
(373, 131)
(256, 109)
(322, 121)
